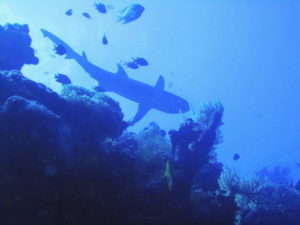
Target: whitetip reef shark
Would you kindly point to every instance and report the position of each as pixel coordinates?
(147, 96)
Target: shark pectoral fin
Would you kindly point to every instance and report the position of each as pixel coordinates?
(142, 111)
(121, 71)
(160, 84)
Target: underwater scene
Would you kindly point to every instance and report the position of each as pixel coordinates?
(149, 112)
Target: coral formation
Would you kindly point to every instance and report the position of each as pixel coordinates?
(15, 50)
(64, 161)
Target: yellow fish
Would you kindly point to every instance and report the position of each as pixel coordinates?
(168, 175)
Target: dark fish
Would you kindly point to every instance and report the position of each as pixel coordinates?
(86, 15)
(62, 78)
(131, 65)
(131, 13)
(141, 61)
(69, 12)
(104, 40)
(100, 7)
(59, 50)
(236, 157)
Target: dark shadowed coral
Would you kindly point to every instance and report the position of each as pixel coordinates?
(85, 110)
(277, 175)
(274, 205)
(194, 142)
(260, 201)
(65, 159)
(15, 50)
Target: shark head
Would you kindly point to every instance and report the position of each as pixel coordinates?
(182, 105)
(171, 103)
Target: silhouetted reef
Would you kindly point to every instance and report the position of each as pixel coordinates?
(68, 160)
(15, 50)
(64, 161)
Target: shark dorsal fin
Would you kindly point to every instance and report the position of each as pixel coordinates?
(160, 84)
(121, 71)
(142, 111)
(84, 56)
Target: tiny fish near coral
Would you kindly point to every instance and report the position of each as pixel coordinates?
(236, 157)
(62, 78)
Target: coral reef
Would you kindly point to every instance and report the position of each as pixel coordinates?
(15, 50)
(67, 159)
(260, 201)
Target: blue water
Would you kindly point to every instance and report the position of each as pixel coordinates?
(244, 54)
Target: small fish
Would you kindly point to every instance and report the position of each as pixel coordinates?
(62, 78)
(100, 7)
(131, 13)
(141, 61)
(69, 12)
(131, 65)
(86, 15)
(236, 157)
(168, 175)
(104, 39)
(59, 50)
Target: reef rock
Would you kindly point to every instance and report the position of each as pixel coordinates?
(15, 50)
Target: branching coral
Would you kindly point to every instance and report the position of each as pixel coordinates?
(260, 201)
(152, 142)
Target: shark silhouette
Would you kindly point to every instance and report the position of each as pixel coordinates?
(148, 97)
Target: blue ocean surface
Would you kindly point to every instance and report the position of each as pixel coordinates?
(164, 62)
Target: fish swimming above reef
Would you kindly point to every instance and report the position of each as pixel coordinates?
(131, 65)
(141, 61)
(236, 157)
(131, 13)
(62, 78)
(69, 12)
(59, 50)
(86, 15)
(148, 97)
(104, 39)
(101, 8)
